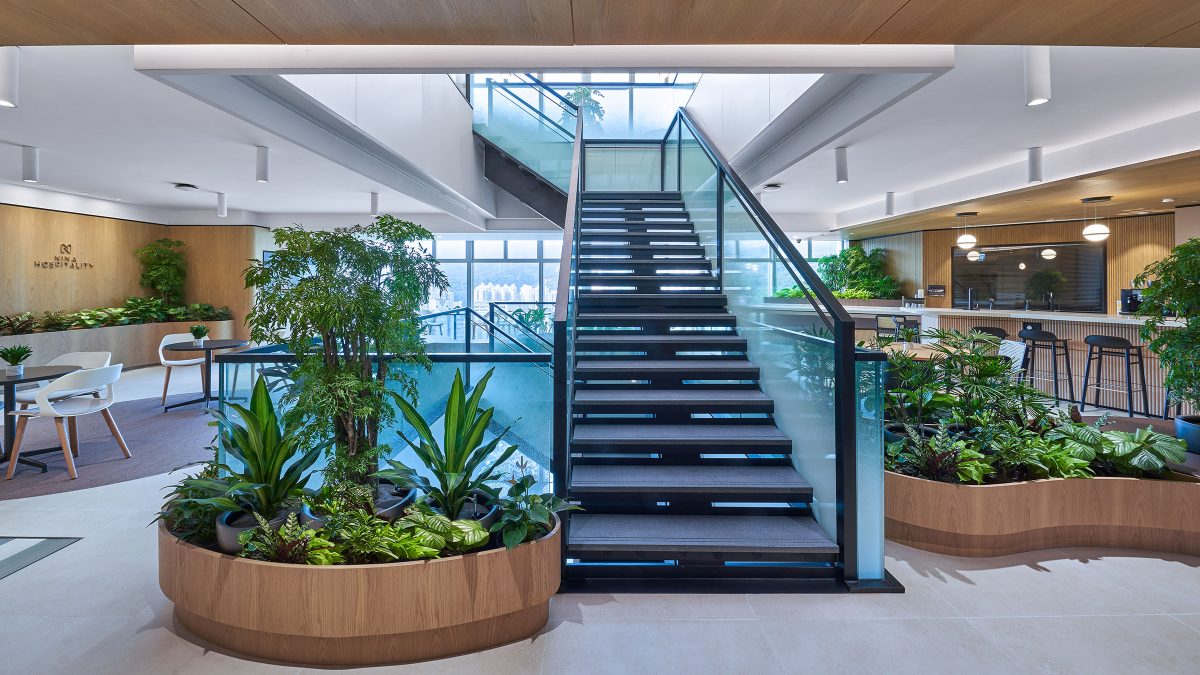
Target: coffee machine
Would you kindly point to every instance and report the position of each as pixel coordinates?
(1131, 299)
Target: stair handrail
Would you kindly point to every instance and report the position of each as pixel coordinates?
(513, 96)
(564, 320)
(548, 88)
(495, 308)
(770, 230)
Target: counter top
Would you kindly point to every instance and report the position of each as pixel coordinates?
(1033, 315)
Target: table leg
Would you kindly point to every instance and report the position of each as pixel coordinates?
(207, 377)
(10, 429)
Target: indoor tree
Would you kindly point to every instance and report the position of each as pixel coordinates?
(346, 302)
(164, 269)
(1172, 286)
(587, 107)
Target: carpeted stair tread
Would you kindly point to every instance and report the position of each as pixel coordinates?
(697, 533)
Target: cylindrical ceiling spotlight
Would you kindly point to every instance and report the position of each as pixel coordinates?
(31, 164)
(262, 164)
(222, 205)
(843, 174)
(1095, 232)
(1021, 266)
(973, 256)
(1049, 253)
(1037, 75)
(10, 72)
(1035, 165)
(374, 203)
(889, 204)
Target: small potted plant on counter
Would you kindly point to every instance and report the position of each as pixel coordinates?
(199, 333)
(15, 357)
(1172, 286)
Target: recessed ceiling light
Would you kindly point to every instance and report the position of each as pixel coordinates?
(772, 187)
(186, 187)
(1168, 200)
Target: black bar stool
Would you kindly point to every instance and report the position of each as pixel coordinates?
(1101, 346)
(991, 330)
(1045, 341)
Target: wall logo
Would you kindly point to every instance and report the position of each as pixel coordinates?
(65, 260)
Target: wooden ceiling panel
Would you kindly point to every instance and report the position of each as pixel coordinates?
(122, 22)
(426, 22)
(643, 22)
(1038, 22)
(1135, 188)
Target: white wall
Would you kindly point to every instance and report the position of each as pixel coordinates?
(422, 118)
(733, 109)
(1187, 224)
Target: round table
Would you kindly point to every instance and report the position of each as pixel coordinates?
(208, 347)
(10, 382)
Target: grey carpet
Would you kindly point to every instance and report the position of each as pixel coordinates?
(158, 442)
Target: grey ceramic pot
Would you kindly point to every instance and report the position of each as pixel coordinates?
(1187, 429)
(230, 524)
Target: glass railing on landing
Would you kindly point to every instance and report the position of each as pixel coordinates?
(532, 123)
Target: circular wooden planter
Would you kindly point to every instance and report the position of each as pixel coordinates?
(993, 520)
(352, 615)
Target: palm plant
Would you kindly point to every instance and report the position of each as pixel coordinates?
(275, 464)
(460, 464)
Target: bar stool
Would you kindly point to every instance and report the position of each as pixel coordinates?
(991, 330)
(1101, 346)
(1045, 341)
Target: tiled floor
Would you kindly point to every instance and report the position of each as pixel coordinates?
(95, 607)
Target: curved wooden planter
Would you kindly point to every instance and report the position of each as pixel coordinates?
(993, 520)
(351, 615)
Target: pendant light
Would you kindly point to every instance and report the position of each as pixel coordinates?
(1049, 253)
(9, 76)
(1095, 230)
(973, 256)
(966, 240)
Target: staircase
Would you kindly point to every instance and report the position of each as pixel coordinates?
(674, 452)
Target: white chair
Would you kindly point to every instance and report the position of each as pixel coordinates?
(1015, 353)
(85, 360)
(177, 363)
(51, 404)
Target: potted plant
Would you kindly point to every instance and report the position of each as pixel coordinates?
(1172, 286)
(15, 357)
(274, 469)
(461, 465)
(524, 515)
(199, 333)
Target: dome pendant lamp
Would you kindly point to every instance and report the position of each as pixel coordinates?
(966, 240)
(1095, 230)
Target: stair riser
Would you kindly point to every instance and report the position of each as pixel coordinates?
(675, 251)
(672, 411)
(588, 227)
(647, 238)
(700, 558)
(650, 347)
(665, 502)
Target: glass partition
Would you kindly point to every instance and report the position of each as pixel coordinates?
(531, 123)
(623, 167)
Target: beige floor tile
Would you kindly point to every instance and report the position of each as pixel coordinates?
(1192, 620)
(657, 647)
(1096, 645)
(519, 658)
(1170, 583)
(590, 607)
(918, 600)
(892, 646)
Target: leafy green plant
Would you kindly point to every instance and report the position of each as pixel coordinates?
(588, 108)
(16, 354)
(1142, 452)
(460, 463)
(186, 512)
(439, 532)
(1172, 285)
(55, 321)
(198, 331)
(346, 302)
(853, 272)
(17, 324)
(942, 458)
(1044, 282)
(525, 516)
(853, 294)
(145, 310)
(291, 543)
(275, 463)
(363, 539)
(164, 269)
(536, 319)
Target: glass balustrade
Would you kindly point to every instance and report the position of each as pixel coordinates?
(531, 123)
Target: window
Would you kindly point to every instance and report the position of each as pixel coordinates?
(522, 249)
(451, 249)
(483, 271)
(489, 248)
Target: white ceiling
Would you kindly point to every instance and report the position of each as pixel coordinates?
(973, 119)
(110, 131)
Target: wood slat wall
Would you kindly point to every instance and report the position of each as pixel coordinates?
(1074, 332)
(1134, 243)
(904, 257)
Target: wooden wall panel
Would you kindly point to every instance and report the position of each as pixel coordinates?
(1134, 243)
(904, 254)
(31, 235)
(216, 256)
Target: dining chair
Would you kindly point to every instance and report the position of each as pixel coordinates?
(177, 363)
(27, 397)
(64, 411)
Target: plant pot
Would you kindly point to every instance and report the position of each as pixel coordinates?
(893, 432)
(230, 524)
(389, 505)
(1187, 429)
(198, 342)
(15, 371)
(487, 516)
